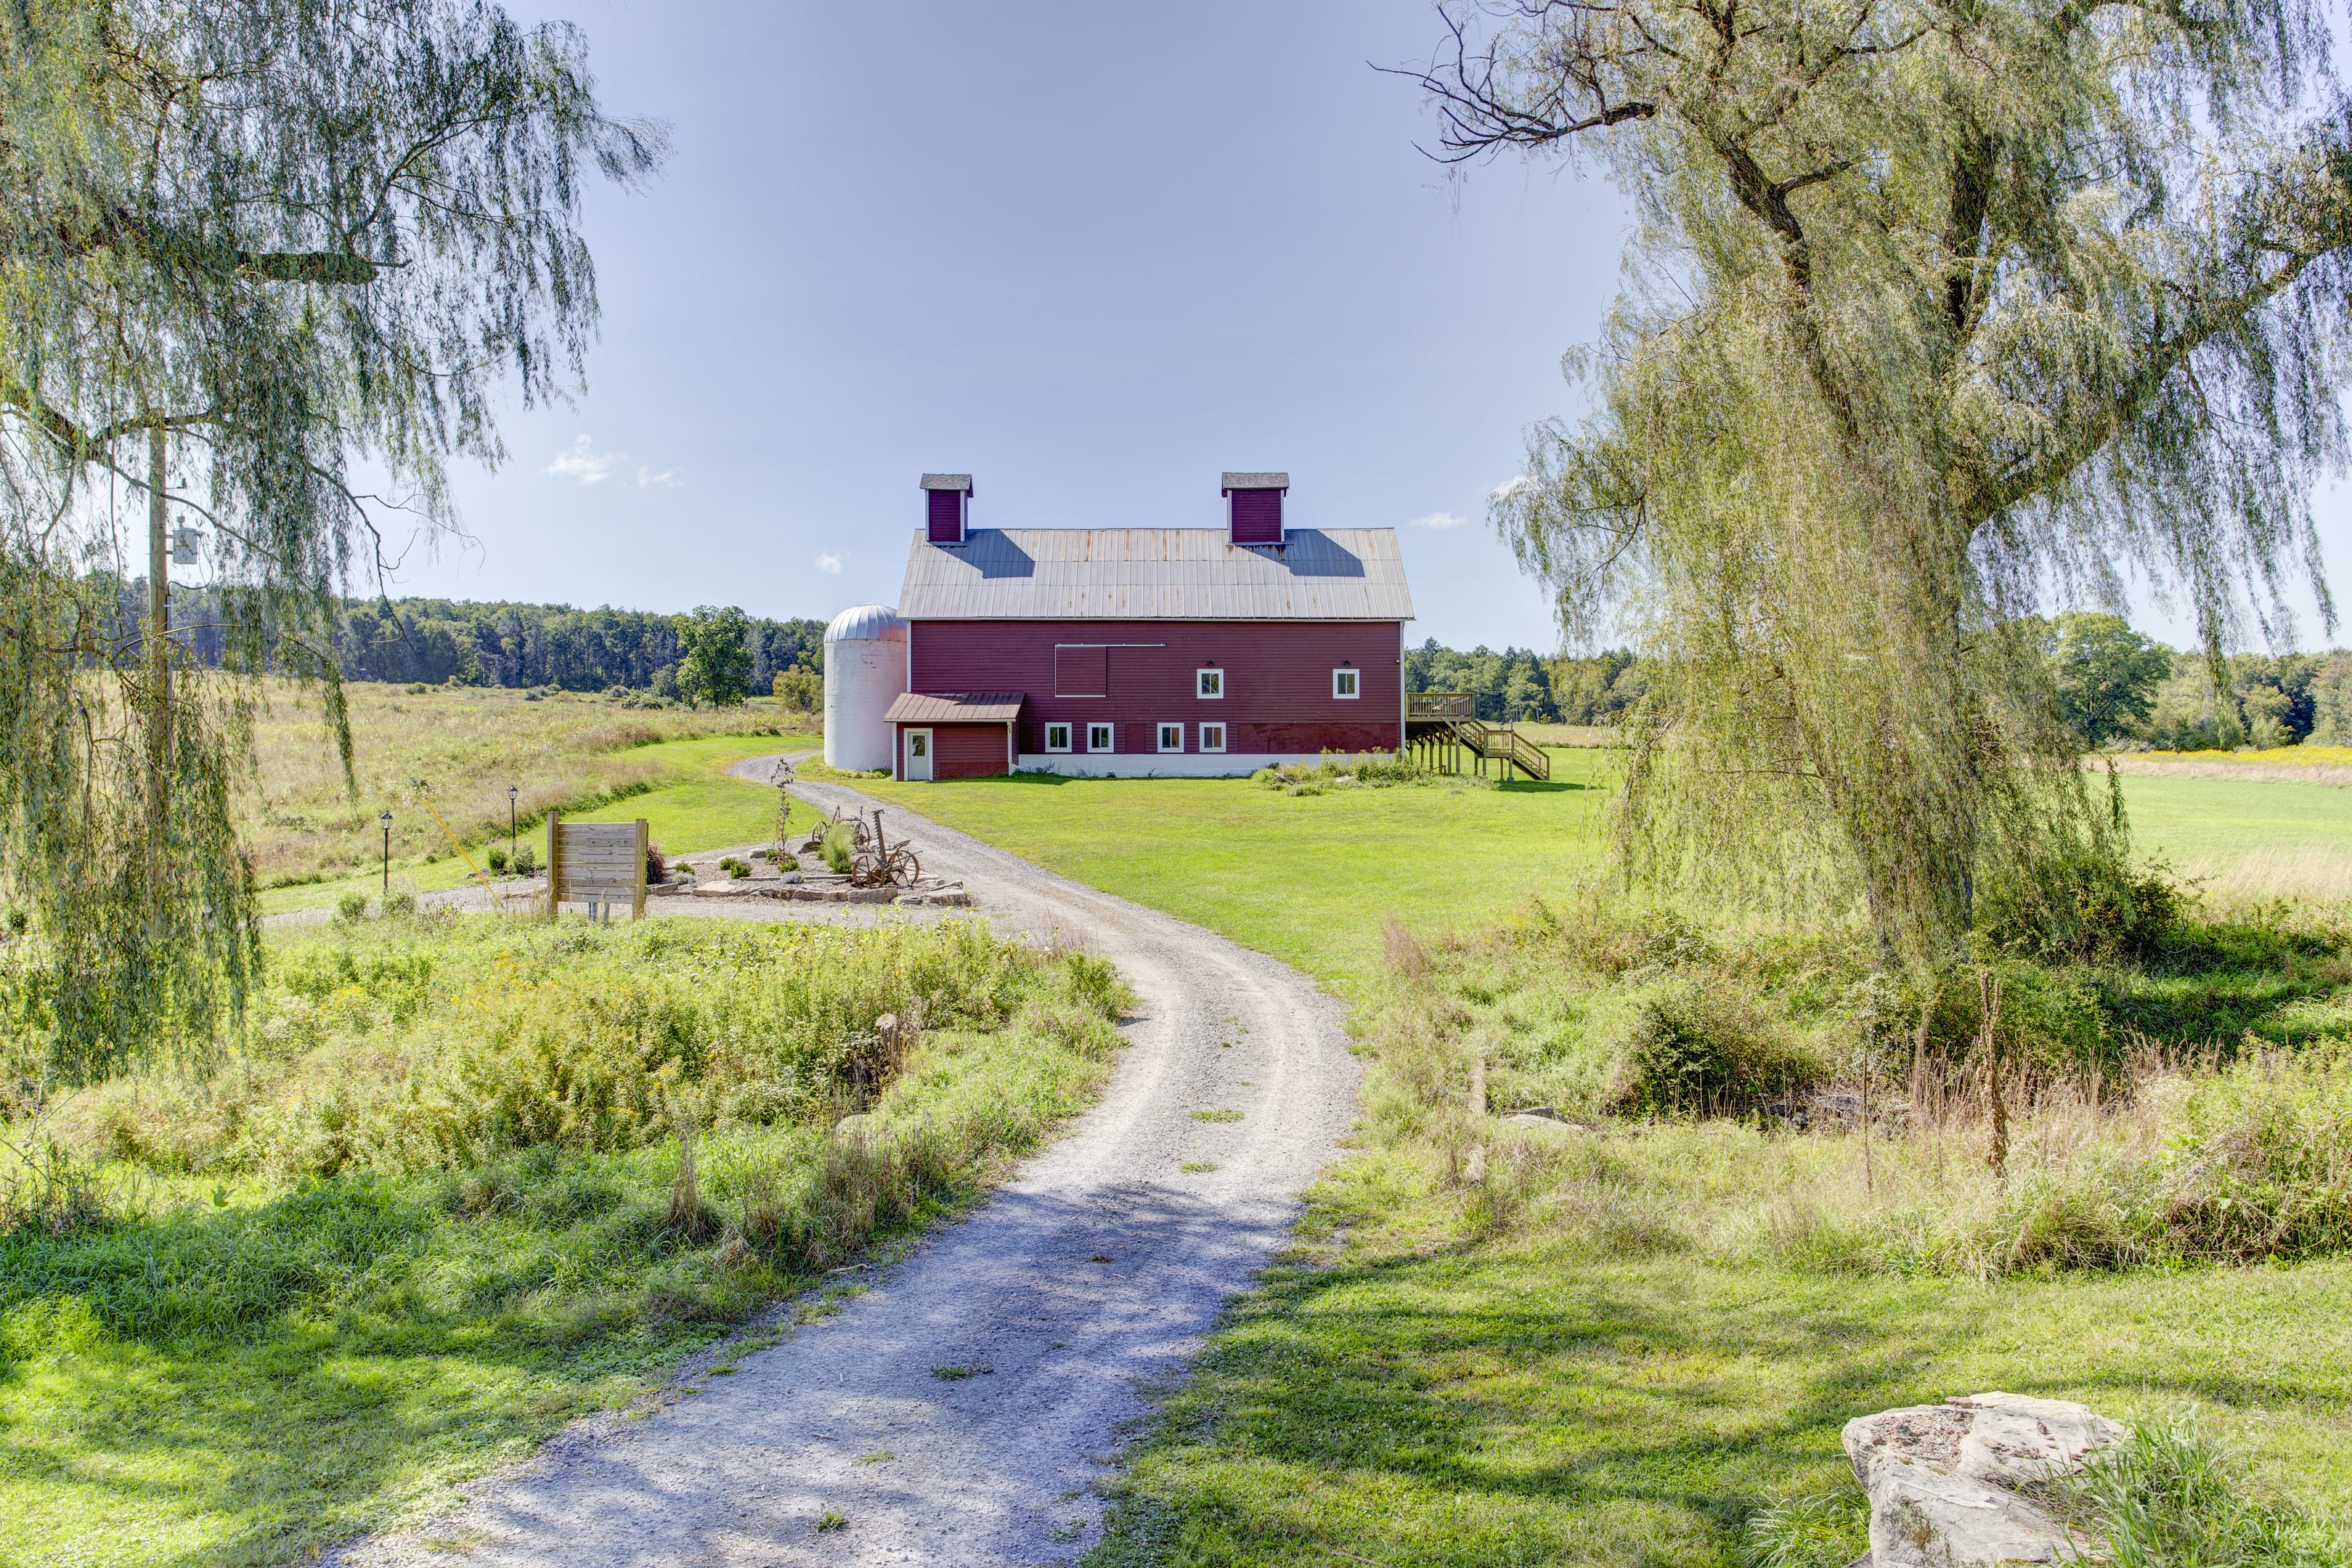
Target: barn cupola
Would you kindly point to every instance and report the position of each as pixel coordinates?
(1253, 507)
(947, 507)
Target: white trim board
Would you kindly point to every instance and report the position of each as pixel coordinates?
(1160, 765)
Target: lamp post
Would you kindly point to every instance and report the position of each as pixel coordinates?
(386, 820)
(511, 824)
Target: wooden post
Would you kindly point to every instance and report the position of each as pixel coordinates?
(637, 903)
(554, 865)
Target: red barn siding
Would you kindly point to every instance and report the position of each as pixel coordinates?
(1257, 517)
(945, 517)
(1277, 679)
(1082, 671)
(959, 751)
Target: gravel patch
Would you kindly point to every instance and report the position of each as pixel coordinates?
(959, 1411)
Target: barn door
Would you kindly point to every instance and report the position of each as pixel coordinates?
(918, 753)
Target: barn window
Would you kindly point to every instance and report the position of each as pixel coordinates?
(1057, 738)
(1098, 738)
(1343, 682)
(1213, 738)
(1209, 683)
(1171, 738)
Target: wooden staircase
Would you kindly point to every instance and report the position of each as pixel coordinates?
(1441, 724)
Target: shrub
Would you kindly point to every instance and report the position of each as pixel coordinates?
(526, 861)
(352, 906)
(1707, 1050)
(400, 906)
(2082, 908)
(495, 858)
(656, 864)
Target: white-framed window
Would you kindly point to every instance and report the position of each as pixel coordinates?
(1098, 738)
(1213, 738)
(1057, 736)
(1344, 684)
(1209, 683)
(1171, 738)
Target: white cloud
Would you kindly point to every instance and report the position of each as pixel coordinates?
(1509, 488)
(647, 479)
(1437, 520)
(583, 462)
(829, 560)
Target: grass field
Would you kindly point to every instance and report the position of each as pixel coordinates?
(1309, 879)
(584, 756)
(1302, 878)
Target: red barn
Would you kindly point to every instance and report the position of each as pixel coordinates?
(1141, 652)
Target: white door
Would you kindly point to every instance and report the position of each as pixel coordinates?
(918, 753)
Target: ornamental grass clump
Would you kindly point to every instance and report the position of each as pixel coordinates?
(839, 848)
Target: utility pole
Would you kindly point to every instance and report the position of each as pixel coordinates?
(159, 631)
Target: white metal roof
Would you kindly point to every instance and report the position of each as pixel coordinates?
(1156, 574)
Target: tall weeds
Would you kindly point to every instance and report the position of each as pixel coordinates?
(1754, 1098)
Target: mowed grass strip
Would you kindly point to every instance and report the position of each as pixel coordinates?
(1305, 879)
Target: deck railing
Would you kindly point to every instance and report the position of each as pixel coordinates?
(1440, 704)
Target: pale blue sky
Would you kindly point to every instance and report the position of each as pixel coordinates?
(1091, 253)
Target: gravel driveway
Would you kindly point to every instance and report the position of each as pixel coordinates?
(1098, 1266)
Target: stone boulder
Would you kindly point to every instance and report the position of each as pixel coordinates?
(1950, 1484)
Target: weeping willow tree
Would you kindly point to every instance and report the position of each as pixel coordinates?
(248, 248)
(1937, 310)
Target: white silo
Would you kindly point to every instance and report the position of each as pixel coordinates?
(864, 671)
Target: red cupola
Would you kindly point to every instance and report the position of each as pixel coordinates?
(946, 506)
(1253, 507)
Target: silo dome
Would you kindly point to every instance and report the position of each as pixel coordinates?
(864, 671)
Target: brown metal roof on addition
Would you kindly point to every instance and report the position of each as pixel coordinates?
(1156, 574)
(954, 707)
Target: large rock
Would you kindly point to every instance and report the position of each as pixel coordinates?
(1945, 1480)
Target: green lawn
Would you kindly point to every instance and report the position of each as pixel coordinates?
(1520, 1404)
(1304, 878)
(701, 809)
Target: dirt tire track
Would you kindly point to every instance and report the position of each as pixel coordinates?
(993, 1469)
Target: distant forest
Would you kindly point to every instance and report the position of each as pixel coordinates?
(2120, 689)
(440, 641)
(1521, 684)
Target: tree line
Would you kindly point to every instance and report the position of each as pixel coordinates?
(505, 643)
(2110, 686)
(1521, 685)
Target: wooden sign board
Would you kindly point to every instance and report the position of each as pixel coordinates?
(596, 862)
